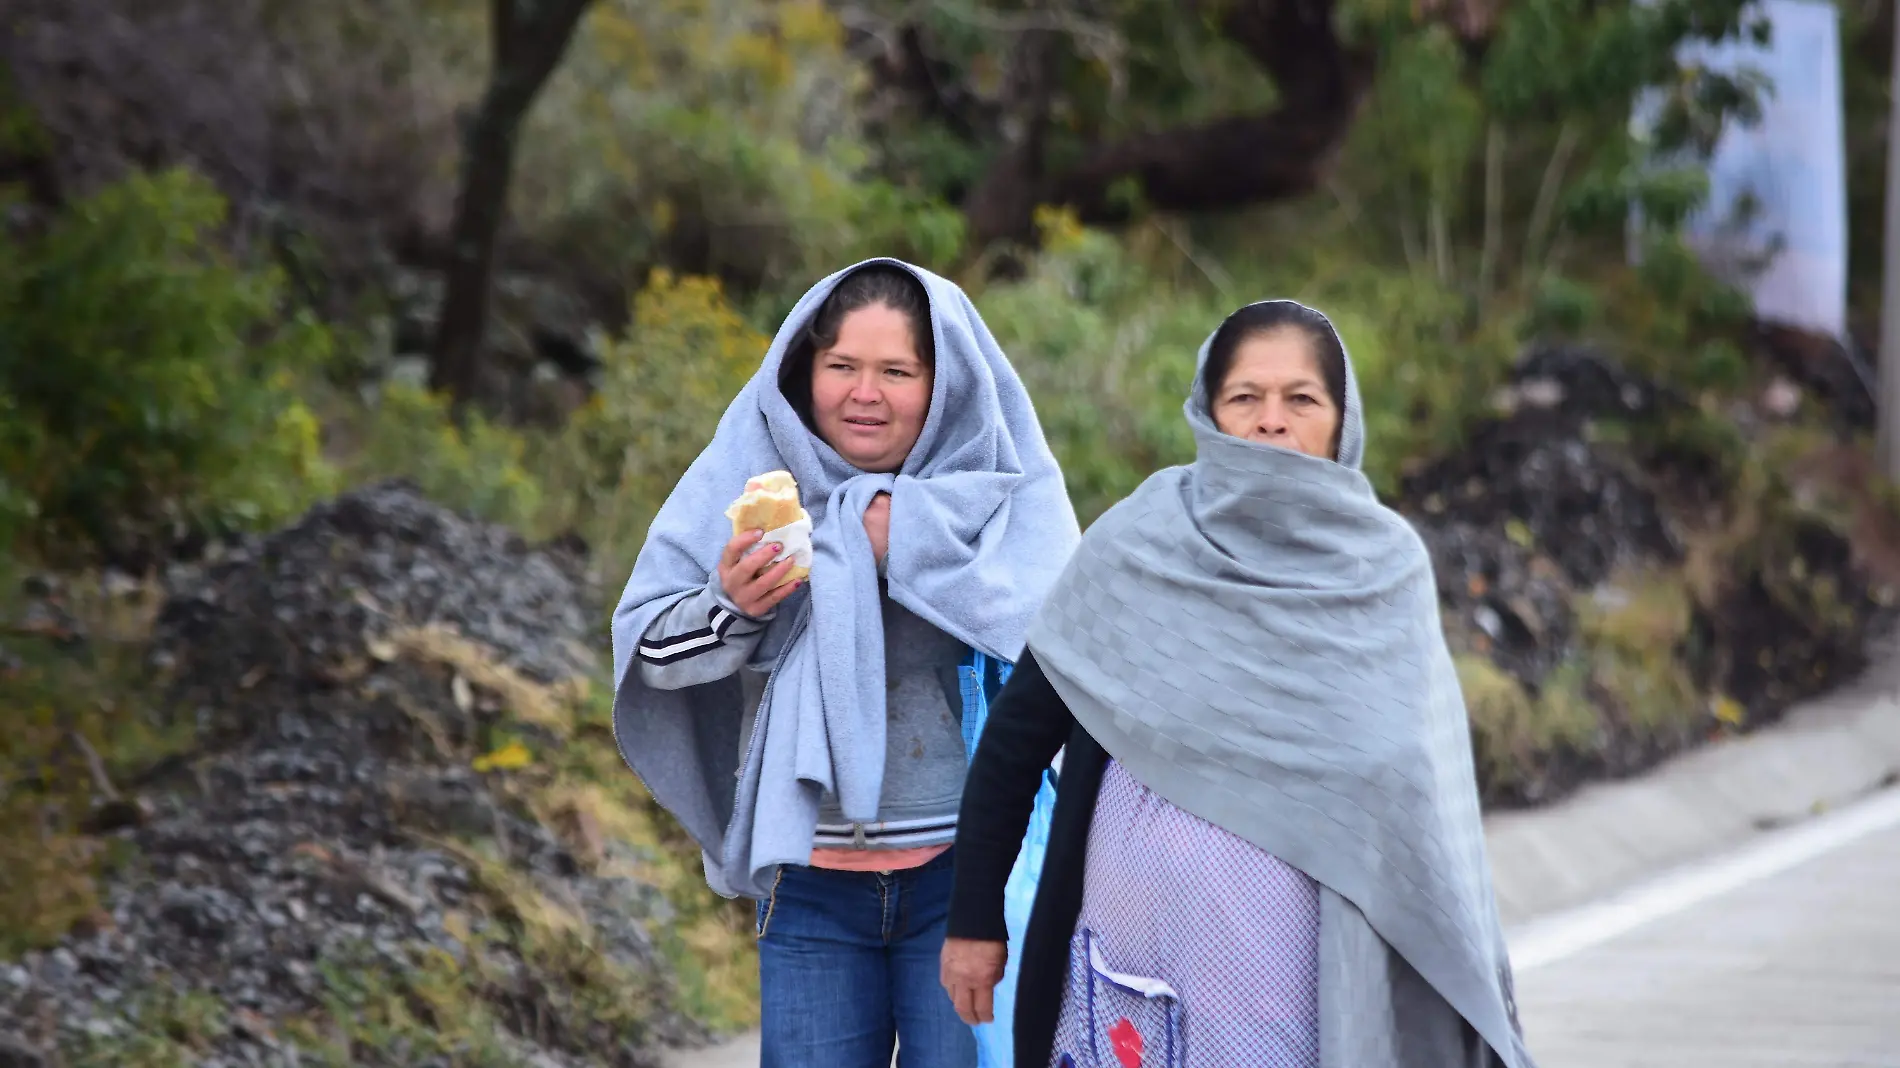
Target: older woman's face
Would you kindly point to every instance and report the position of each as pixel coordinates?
(1274, 393)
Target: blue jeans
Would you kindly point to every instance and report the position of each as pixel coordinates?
(849, 963)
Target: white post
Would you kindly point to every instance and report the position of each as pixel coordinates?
(1889, 415)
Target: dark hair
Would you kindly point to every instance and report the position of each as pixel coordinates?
(879, 283)
(1265, 318)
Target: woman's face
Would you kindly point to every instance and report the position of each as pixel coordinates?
(1274, 393)
(870, 392)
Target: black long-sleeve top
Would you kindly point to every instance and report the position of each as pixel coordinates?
(1028, 724)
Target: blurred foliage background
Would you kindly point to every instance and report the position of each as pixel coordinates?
(229, 225)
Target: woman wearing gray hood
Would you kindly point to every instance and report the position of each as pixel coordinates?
(813, 736)
(1266, 847)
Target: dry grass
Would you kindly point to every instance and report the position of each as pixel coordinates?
(46, 880)
(79, 722)
(475, 665)
(592, 799)
(579, 788)
(1637, 612)
(1633, 626)
(515, 899)
(1516, 733)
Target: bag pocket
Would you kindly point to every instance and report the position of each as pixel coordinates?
(1132, 1021)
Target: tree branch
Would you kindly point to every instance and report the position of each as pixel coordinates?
(1493, 208)
(1100, 38)
(1221, 164)
(1547, 190)
(95, 766)
(1003, 204)
(1248, 159)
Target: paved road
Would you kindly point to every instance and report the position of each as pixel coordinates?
(1791, 968)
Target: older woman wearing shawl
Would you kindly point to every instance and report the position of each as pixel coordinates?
(813, 737)
(1266, 849)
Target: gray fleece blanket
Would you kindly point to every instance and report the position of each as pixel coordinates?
(980, 525)
(1257, 639)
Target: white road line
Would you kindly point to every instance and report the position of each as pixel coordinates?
(1552, 938)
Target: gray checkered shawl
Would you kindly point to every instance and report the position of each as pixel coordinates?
(1257, 639)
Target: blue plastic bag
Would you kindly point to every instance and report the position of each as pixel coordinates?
(995, 1040)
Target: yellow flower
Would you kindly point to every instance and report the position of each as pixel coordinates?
(510, 757)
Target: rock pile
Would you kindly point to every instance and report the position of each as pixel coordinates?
(1606, 559)
(1539, 507)
(329, 852)
(281, 622)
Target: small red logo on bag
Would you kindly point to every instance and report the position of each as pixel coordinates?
(1127, 1043)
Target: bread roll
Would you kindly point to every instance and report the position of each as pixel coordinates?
(770, 501)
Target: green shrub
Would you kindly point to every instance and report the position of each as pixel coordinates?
(1517, 736)
(1107, 352)
(17, 508)
(150, 381)
(1562, 307)
(1107, 345)
(479, 467)
(717, 139)
(665, 384)
(1425, 374)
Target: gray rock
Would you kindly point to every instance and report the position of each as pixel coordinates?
(60, 967)
(195, 912)
(410, 371)
(17, 1052)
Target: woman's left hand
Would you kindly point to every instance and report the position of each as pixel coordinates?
(971, 970)
(877, 524)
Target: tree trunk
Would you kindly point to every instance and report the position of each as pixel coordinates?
(527, 39)
(1003, 204)
(1249, 159)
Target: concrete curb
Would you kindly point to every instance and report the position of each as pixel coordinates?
(1826, 753)
(740, 1052)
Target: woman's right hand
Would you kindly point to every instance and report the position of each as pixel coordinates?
(971, 968)
(750, 578)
